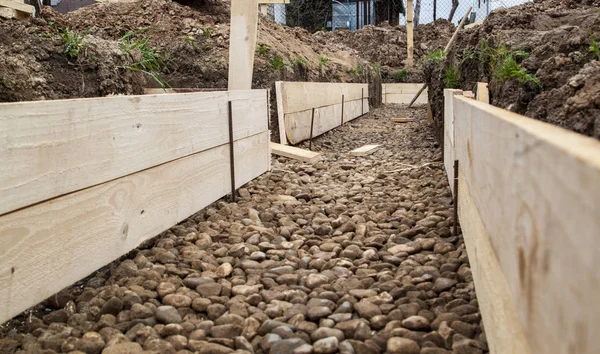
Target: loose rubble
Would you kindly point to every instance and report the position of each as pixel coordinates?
(347, 255)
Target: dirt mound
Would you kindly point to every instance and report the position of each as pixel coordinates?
(540, 59)
(386, 46)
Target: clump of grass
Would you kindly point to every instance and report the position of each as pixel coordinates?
(509, 68)
(323, 61)
(206, 32)
(358, 70)
(263, 50)
(376, 68)
(450, 78)
(73, 42)
(594, 49)
(5, 82)
(152, 62)
(400, 75)
(277, 63)
(300, 62)
(438, 55)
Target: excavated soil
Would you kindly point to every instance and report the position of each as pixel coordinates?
(349, 255)
(557, 35)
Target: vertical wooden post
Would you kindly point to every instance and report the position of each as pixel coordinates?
(264, 9)
(342, 111)
(409, 33)
(242, 43)
(483, 94)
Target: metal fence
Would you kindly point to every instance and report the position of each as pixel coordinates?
(347, 14)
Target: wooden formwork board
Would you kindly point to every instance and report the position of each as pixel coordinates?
(57, 147)
(295, 101)
(529, 201)
(152, 161)
(295, 153)
(242, 43)
(403, 93)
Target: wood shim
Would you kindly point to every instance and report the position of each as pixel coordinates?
(57, 147)
(402, 93)
(295, 153)
(51, 245)
(242, 43)
(364, 150)
(295, 101)
(534, 187)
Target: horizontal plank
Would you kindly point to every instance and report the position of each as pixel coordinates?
(19, 6)
(365, 150)
(402, 87)
(302, 96)
(57, 147)
(536, 188)
(297, 125)
(273, 1)
(474, 24)
(405, 98)
(157, 91)
(295, 153)
(402, 120)
(47, 247)
(449, 134)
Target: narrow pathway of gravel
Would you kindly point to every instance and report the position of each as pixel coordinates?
(348, 255)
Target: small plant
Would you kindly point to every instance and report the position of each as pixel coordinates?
(323, 61)
(438, 55)
(400, 75)
(594, 49)
(277, 63)
(359, 71)
(4, 81)
(73, 42)
(450, 78)
(191, 40)
(206, 32)
(376, 68)
(151, 63)
(300, 62)
(510, 69)
(263, 50)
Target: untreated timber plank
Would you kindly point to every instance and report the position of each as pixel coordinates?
(365, 150)
(302, 96)
(242, 43)
(56, 147)
(483, 94)
(295, 153)
(449, 134)
(19, 6)
(403, 93)
(402, 120)
(536, 189)
(48, 246)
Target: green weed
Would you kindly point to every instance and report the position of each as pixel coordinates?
(594, 49)
(438, 55)
(5, 82)
(73, 42)
(263, 50)
(376, 68)
(358, 70)
(152, 62)
(509, 68)
(450, 78)
(300, 62)
(206, 32)
(277, 63)
(323, 61)
(400, 75)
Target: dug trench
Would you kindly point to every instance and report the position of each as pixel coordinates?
(348, 254)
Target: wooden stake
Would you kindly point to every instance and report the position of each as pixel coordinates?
(409, 33)
(483, 94)
(460, 25)
(242, 43)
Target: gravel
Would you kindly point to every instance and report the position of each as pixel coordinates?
(349, 255)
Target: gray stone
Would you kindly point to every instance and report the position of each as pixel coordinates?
(327, 345)
(397, 345)
(168, 314)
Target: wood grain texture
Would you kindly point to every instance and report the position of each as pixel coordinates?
(449, 134)
(303, 96)
(483, 94)
(280, 112)
(242, 43)
(51, 245)
(503, 328)
(16, 5)
(273, 1)
(536, 189)
(409, 33)
(365, 150)
(57, 147)
(295, 153)
(297, 125)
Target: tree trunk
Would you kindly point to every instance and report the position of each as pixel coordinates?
(417, 13)
(453, 10)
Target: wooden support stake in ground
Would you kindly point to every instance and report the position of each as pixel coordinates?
(483, 94)
(460, 25)
(409, 33)
(242, 43)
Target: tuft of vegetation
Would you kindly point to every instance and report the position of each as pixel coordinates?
(400, 75)
(450, 78)
(206, 32)
(594, 49)
(509, 68)
(358, 70)
(263, 50)
(323, 61)
(277, 63)
(152, 63)
(438, 55)
(5, 82)
(300, 63)
(73, 42)
(376, 68)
